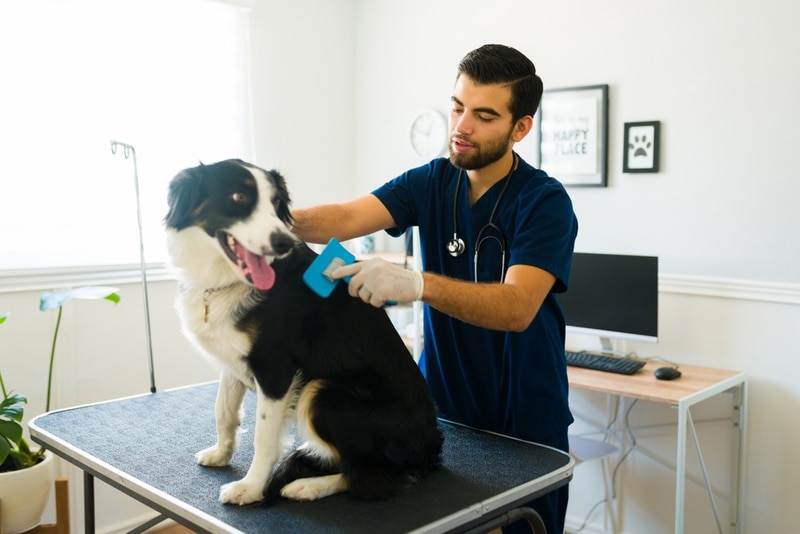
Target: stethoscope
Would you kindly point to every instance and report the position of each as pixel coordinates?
(455, 247)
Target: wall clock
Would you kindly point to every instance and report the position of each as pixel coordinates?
(429, 133)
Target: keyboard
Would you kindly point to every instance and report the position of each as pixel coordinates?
(598, 362)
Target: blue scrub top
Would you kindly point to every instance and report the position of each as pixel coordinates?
(513, 383)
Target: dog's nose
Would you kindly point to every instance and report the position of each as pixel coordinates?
(281, 243)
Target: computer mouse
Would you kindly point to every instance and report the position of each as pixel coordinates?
(667, 373)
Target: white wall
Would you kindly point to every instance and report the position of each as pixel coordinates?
(720, 215)
(304, 97)
(714, 73)
(337, 83)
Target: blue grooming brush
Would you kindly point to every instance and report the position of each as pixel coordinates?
(318, 275)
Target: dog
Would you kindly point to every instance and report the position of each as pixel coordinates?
(336, 365)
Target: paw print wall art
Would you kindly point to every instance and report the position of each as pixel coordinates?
(640, 152)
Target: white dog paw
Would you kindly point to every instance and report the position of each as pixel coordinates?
(241, 493)
(214, 457)
(311, 489)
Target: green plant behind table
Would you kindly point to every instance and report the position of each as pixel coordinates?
(15, 453)
(56, 300)
(14, 450)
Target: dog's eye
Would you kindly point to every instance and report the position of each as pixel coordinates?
(239, 197)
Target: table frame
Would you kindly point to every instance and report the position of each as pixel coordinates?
(482, 499)
(694, 386)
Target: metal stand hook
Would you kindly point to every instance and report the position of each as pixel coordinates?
(130, 151)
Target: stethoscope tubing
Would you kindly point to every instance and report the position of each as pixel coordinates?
(455, 247)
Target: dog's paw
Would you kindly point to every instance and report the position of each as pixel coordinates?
(241, 493)
(311, 489)
(214, 456)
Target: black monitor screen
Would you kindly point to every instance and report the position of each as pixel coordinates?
(613, 296)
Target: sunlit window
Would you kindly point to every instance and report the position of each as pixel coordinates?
(170, 77)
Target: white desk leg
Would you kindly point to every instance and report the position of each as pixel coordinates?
(738, 457)
(680, 479)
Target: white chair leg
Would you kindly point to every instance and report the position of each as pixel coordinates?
(608, 483)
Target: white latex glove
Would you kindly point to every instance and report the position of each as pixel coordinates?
(380, 283)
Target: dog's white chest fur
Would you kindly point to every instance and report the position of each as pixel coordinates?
(206, 317)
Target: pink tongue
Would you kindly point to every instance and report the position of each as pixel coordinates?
(256, 269)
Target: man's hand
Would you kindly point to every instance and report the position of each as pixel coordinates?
(378, 282)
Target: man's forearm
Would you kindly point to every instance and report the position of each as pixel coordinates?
(348, 220)
(509, 306)
(317, 224)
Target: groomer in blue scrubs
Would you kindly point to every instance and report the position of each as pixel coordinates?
(497, 237)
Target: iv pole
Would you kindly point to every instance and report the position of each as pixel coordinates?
(129, 152)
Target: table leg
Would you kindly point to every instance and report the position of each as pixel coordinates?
(738, 458)
(88, 502)
(680, 480)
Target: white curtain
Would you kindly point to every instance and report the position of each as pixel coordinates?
(170, 77)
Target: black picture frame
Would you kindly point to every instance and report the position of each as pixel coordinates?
(640, 148)
(573, 135)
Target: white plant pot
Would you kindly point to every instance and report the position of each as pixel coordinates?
(23, 496)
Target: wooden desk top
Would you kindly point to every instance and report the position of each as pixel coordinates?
(644, 385)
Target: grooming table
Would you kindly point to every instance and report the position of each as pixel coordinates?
(144, 446)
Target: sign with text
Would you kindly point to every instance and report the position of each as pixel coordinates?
(573, 135)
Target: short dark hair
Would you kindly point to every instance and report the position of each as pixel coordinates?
(500, 64)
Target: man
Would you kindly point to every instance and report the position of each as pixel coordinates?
(493, 354)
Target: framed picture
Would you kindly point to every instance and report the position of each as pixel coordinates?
(640, 148)
(573, 135)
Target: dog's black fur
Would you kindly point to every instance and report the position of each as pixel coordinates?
(361, 402)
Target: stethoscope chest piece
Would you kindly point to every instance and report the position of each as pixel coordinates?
(455, 247)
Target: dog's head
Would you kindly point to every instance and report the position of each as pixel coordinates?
(243, 208)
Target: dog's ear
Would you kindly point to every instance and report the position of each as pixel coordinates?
(185, 196)
(282, 197)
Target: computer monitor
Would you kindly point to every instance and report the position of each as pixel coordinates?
(612, 296)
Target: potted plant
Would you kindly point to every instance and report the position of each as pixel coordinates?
(25, 473)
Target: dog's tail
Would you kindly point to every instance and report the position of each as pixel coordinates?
(299, 464)
(366, 480)
(367, 476)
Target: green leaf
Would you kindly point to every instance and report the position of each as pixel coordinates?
(13, 413)
(5, 448)
(11, 430)
(14, 398)
(11, 407)
(3, 317)
(56, 299)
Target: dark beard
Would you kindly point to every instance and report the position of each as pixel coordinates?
(485, 155)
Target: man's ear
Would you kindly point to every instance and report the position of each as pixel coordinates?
(522, 128)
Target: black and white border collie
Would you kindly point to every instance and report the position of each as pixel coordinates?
(335, 364)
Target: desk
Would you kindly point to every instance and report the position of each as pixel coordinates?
(145, 445)
(695, 385)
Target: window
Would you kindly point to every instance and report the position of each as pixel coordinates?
(170, 77)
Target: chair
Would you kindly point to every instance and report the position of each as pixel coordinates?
(585, 449)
